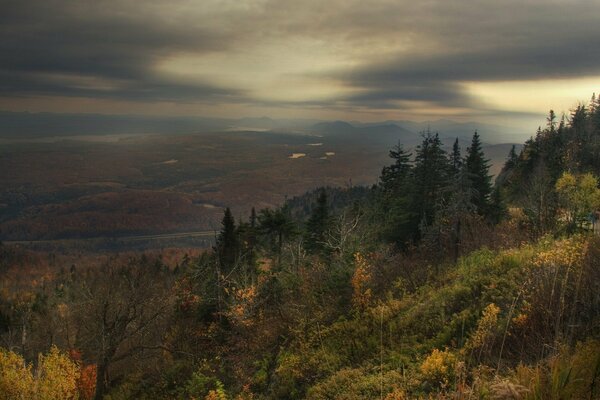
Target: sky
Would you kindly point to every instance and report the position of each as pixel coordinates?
(503, 61)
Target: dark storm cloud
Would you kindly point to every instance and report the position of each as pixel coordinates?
(436, 77)
(62, 47)
(138, 90)
(400, 51)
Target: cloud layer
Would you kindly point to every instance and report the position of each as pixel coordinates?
(343, 55)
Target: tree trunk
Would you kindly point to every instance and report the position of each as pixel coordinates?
(101, 380)
(280, 244)
(219, 301)
(456, 241)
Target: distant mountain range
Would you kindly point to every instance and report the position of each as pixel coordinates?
(25, 125)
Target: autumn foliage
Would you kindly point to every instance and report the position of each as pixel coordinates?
(55, 377)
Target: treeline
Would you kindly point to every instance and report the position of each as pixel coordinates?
(432, 283)
(570, 145)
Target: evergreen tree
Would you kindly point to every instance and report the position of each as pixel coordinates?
(393, 176)
(456, 161)
(456, 209)
(498, 210)
(393, 213)
(430, 178)
(477, 167)
(551, 121)
(277, 225)
(509, 167)
(594, 118)
(595, 114)
(247, 238)
(253, 218)
(318, 224)
(512, 158)
(227, 242)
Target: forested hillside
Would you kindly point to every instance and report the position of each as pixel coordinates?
(433, 283)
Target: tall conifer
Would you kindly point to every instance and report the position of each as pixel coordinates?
(478, 169)
(227, 242)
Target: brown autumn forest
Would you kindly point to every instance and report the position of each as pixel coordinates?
(74, 187)
(432, 283)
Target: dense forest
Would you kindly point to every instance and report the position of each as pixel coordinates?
(435, 282)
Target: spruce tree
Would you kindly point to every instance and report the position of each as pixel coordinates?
(277, 225)
(512, 158)
(430, 177)
(509, 167)
(246, 248)
(253, 218)
(393, 176)
(551, 119)
(497, 211)
(227, 242)
(393, 213)
(457, 208)
(455, 158)
(478, 170)
(318, 224)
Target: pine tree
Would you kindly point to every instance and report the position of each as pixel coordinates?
(277, 225)
(512, 156)
(393, 213)
(393, 176)
(318, 224)
(551, 121)
(227, 242)
(253, 218)
(595, 112)
(430, 178)
(509, 167)
(457, 208)
(456, 161)
(594, 116)
(497, 211)
(478, 169)
(246, 251)
(511, 159)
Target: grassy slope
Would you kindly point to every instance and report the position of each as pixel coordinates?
(486, 315)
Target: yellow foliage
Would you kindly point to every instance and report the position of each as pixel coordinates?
(360, 280)
(215, 395)
(520, 320)
(567, 183)
(243, 301)
(16, 379)
(485, 327)
(55, 378)
(439, 367)
(568, 252)
(579, 194)
(397, 394)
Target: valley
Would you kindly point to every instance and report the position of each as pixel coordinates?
(59, 188)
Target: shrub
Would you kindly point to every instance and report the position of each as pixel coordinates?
(439, 368)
